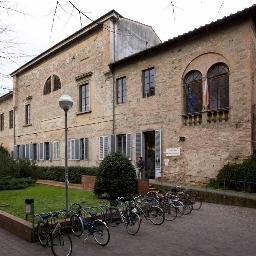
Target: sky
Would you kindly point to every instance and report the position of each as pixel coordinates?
(31, 29)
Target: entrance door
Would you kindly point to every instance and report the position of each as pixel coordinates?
(148, 145)
(149, 154)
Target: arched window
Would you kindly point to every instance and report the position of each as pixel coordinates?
(56, 83)
(193, 91)
(218, 84)
(47, 86)
(52, 84)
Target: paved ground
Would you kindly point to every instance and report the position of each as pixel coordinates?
(214, 230)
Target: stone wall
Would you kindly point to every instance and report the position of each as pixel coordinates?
(207, 146)
(6, 136)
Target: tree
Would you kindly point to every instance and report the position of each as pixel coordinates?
(116, 177)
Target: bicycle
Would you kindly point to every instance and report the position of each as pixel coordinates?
(127, 215)
(90, 226)
(151, 212)
(52, 234)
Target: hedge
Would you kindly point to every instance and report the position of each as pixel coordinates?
(57, 173)
(237, 176)
(8, 183)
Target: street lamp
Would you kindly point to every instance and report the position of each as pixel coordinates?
(66, 103)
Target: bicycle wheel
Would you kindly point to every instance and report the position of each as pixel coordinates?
(180, 207)
(170, 212)
(77, 226)
(188, 206)
(113, 217)
(43, 231)
(101, 233)
(156, 215)
(133, 221)
(196, 201)
(61, 244)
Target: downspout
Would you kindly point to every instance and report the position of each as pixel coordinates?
(113, 77)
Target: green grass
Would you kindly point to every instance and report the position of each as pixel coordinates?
(47, 198)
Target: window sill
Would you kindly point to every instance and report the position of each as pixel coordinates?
(84, 112)
(26, 125)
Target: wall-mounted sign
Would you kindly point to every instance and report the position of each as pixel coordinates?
(172, 152)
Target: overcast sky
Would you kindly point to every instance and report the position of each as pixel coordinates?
(32, 30)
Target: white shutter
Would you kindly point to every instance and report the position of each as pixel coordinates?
(69, 149)
(77, 149)
(27, 151)
(129, 146)
(138, 144)
(158, 153)
(101, 148)
(31, 151)
(50, 151)
(58, 151)
(106, 146)
(41, 151)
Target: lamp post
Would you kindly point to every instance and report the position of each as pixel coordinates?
(66, 103)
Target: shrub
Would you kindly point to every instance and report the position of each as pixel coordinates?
(8, 183)
(241, 177)
(57, 173)
(116, 177)
(27, 168)
(8, 166)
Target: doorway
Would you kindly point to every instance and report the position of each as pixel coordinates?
(149, 158)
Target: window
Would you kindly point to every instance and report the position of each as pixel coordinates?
(21, 151)
(47, 86)
(193, 92)
(123, 144)
(27, 114)
(84, 104)
(52, 83)
(121, 90)
(84, 149)
(148, 82)
(11, 119)
(2, 122)
(46, 151)
(56, 150)
(56, 83)
(218, 86)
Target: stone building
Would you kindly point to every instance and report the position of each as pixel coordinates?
(186, 105)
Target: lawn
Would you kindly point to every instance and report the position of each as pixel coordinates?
(47, 198)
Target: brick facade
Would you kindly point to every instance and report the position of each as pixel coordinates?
(205, 145)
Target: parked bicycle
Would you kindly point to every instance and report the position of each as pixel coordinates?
(122, 211)
(150, 212)
(51, 232)
(90, 225)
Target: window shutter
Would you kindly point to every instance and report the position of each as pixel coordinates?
(86, 149)
(87, 98)
(106, 146)
(58, 151)
(50, 151)
(77, 149)
(15, 152)
(111, 139)
(69, 149)
(41, 154)
(31, 151)
(138, 144)
(101, 149)
(27, 151)
(129, 146)
(158, 171)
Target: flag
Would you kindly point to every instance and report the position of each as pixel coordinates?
(205, 95)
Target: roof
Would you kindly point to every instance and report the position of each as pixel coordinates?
(6, 96)
(67, 41)
(247, 12)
